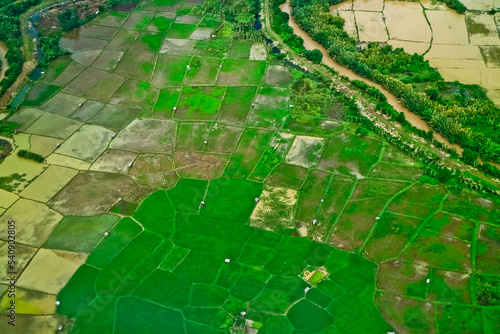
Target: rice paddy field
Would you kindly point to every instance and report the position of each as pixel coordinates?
(176, 198)
(463, 47)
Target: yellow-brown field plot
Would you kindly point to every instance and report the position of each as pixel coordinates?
(146, 135)
(114, 161)
(482, 29)
(43, 145)
(33, 324)
(50, 270)
(49, 183)
(7, 198)
(468, 76)
(483, 5)
(62, 160)
(369, 5)
(349, 22)
(275, 209)
(31, 302)
(490, 78)
(398, 277)
(27, 169)
(35, 222)
(305, 151)
(448, 27)
(92, 193)
(87, 143)
(454, 52)
(406, 21)
(410, 47)
(23, 257)
(203, 166)
(371, 27)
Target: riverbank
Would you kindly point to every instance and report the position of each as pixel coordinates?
(411, 117)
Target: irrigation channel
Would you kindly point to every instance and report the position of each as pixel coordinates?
(310, 44)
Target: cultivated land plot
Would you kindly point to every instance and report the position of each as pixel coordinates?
(278, 75)
(204, 166)
(106, 87)
(272, 156)
(148, 42)
(335, 198)
(488, 254)
(275, 209)
(241, 72)
(451, 226)
(39, 93)
(223, 138)
(473, 207)
(236, 104)
(305, 151)
(191, 136)
(136, 65)
(25, 117)
(52, 125)
(448, 27)
(146, 135)
(85, 81)
(178, 30)
(161, 22)
(167, 100)
(72, 44)
(60, 265)
(123, 40)
(202, 71)
(91, 193)
(85, 58)
(135, 94)
(418, 201)
(286, 175)
(115, 117)
(108, 60)
(138, 20)
(270, 109)
(439, 251)
(252, 144)
(111, 19)
(214, 47)
(371, 27)
(38, 222)
(385, 170)
(87, 143)
(53, 179)
(199, 102)
(350, 153)
(390, 235)
(240, 50)
(360, 214)
(169, 71)
(98, 32)
(69, 73)
(174, 46)
(63, 104)
(114, 161)
(419, 31)
(80, 234)
(154, 170)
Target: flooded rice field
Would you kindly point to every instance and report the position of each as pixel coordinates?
(463, 47)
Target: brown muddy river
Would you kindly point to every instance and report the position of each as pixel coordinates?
(414, 119)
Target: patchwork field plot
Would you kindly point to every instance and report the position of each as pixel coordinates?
(181, 194)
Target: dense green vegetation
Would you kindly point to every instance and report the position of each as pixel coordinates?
(30, 155)
(473, 122)
(10, 34)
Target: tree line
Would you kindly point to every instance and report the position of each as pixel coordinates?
(473, 122)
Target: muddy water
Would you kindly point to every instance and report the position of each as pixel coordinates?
(310, 44)
(5, 66)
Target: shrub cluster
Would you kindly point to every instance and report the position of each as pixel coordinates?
(30, 155)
